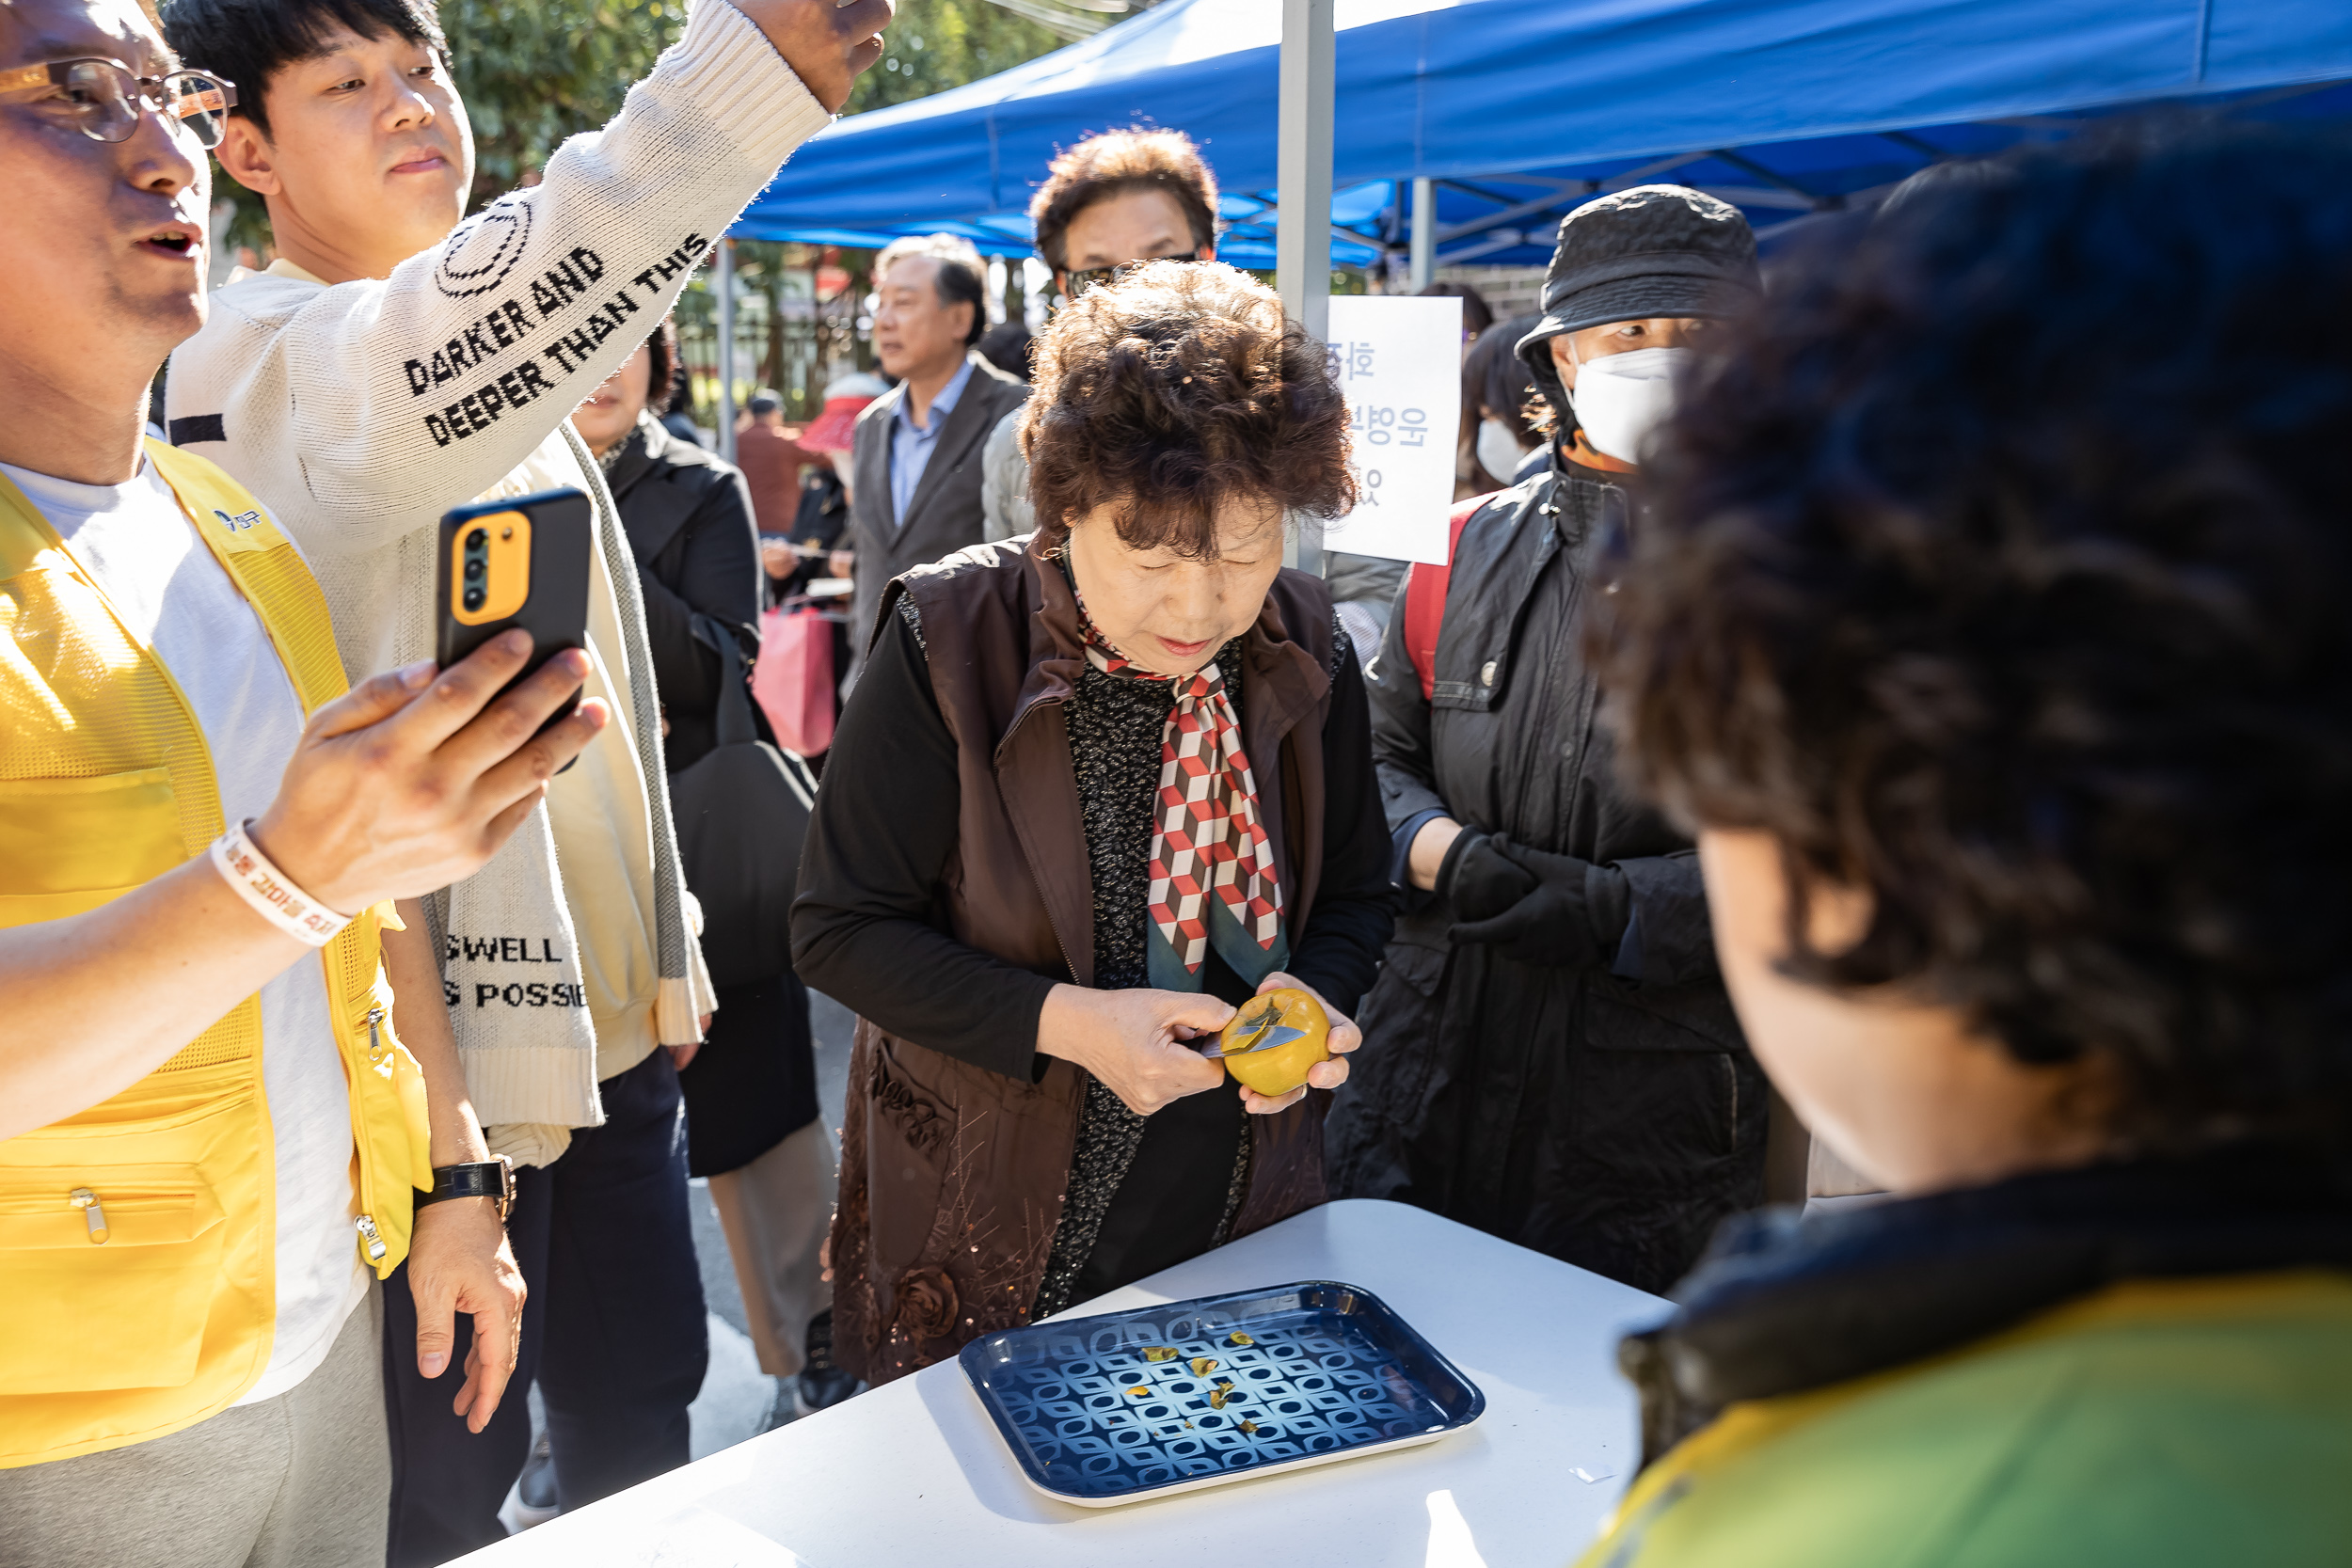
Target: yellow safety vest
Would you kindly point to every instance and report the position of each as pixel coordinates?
(105, 784)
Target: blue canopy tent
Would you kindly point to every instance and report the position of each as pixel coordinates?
(1519, 109)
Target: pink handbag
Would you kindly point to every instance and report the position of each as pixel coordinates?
(793, 680)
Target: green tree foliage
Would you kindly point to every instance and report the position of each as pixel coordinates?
(536, 71)
(938, 44)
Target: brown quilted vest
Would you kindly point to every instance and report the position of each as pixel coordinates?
(952, 1176)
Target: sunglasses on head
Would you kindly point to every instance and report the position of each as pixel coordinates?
(103, 99)
(1079, 282)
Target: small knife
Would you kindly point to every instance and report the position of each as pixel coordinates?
(1281, 1033)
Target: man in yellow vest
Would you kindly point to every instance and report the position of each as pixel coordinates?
(342, 384)
(212, 1139)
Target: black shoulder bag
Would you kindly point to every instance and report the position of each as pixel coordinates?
(741, 812)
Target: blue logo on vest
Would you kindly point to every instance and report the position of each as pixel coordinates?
(239, 523)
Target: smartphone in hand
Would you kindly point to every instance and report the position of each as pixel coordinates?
(520, 563)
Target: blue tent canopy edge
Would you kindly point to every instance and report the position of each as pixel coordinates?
(1523, 108)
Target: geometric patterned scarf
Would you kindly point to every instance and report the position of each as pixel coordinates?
(1213, 879)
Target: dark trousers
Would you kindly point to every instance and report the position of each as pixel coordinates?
(614, 1332)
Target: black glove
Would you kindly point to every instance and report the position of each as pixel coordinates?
(1477, 879)
(1551, 926)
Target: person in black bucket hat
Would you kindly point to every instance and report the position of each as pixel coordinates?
(1550, 1053)
(1641, 272)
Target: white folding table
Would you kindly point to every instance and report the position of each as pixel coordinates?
(913, 1474)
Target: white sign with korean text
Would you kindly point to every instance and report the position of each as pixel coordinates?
(1399, 360)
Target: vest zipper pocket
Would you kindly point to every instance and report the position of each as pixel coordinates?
(375, 1036)
(106, 1276)
(93, 1214)
(103, 1214)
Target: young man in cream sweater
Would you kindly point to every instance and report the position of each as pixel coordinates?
(392, 363)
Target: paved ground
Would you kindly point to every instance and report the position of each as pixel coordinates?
(736, 1397)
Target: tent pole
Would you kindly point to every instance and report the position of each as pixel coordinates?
(1302, 235)
(1424, 233)
(725, 282)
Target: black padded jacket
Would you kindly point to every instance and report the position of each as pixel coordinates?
(1609, 1116)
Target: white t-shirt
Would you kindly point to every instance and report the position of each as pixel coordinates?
(137, 544)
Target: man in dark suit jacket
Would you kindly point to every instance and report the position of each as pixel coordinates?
(914, 491)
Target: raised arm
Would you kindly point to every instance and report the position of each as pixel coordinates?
(382, 402)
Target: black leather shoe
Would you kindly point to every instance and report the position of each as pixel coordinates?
(822, 1389)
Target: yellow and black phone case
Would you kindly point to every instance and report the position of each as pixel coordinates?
(520, 563)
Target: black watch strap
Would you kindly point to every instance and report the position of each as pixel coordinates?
(491, 1179)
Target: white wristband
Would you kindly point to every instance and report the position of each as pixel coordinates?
(271, 894)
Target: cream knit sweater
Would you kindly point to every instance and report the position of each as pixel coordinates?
(360, 412)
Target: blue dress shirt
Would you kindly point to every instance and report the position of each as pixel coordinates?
(911, 444)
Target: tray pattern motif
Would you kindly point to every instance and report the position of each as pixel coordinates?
(1101, 1420)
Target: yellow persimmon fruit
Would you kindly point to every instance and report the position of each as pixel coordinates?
(1281, 1068)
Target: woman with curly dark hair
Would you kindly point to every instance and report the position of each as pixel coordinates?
(1099, 784)
(1991, 629)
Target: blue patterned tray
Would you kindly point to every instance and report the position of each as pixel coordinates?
(1326, 1371)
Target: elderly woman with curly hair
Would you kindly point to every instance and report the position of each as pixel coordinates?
(1099, 785)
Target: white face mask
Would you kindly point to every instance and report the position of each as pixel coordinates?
(1498, 449)
(1621, 398)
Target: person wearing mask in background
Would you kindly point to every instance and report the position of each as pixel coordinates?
(751, 1090)
(1989, 628)
(395, 362)
(916, 496)
(770, 463)
(978, 877)
(1496, 385)
(1552, 1056)
(220, 1123)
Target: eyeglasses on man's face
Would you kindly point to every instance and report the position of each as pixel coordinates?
(1079, 282)
(102, 99)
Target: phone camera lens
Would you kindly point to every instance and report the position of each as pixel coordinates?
(477, 586)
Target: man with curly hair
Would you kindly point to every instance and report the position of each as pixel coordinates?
(1109, 202)
(1989, 628)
